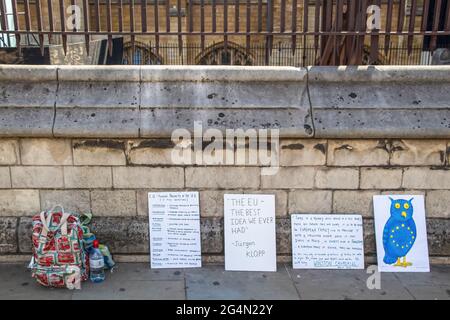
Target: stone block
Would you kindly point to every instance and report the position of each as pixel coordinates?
(99, 152)
(337, 178)
(303, 152)
(438, 204)
(418, 152)
(41, 152)
(222, 177)
(37, 177)
(113, 203)
(357, 153)
(9, 152)
(19, 202)
(146, 177)
(77, 201)
(87, 177)
(354, 202)
(426, 178)
(377, 178)
(5, 179)
(310, 201)
(290, 178)
(8, 239)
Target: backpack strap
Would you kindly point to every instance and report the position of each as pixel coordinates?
(46, 221)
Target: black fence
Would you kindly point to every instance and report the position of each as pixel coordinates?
(281, 54)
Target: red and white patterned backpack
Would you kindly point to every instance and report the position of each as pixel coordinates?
(59, 256)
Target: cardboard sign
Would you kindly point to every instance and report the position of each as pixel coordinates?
(401, 235)
(174, 222)
(250, 243)
(327, 241)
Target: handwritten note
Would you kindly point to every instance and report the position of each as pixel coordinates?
(327, 241)
(250, 232)
(174, 222)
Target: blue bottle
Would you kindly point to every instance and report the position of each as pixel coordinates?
(96, 263)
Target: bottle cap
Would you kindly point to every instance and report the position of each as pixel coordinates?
(95, 244)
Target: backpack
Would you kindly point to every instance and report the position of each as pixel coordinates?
(59, 257)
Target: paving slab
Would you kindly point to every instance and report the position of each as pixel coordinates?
(17, 284)
(213, 282)
(345, 285)
(131, 290)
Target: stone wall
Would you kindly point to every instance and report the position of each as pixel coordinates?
(98, 139)
(111, 178)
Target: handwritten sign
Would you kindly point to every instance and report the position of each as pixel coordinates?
(327, 241)
(174, 222)
(250, 243)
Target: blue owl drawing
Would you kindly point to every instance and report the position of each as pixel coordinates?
(399, 233)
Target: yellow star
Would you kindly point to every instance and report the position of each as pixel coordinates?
(397, 228)
(403, 225)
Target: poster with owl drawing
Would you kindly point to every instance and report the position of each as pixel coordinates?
(401, 234)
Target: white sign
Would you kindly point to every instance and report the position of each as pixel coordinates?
(401, 234)
(327, 241)
(174, 222)
(250, 243)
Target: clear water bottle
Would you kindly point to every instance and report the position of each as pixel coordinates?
(96, 263)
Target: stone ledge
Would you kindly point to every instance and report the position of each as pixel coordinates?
(334, 102)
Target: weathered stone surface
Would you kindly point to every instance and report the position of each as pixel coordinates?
(379, 102)
(77, 201)
(122, 234)
(5, 179)
(87, 177)
(284, 236)
(145, 177)
(302, 152)
(382, 123)
(232, 95)
(96, 122)
(357, 153)
(19, 202)
(222, 177)
(418, 152)
(26, 121)
(152, 152)
(91, 74)
(160, 123)
(8, 240)
(354, 202)
(24, 234)
(113, 203)
(310, 201)
(290, 178)
(370, 245)
(9, 151)
(337, 178)
(438, 237)
(211, 202)
(211, 230)
(98, 94)
(426, 178)
(99, 152)
(129, 235)
(377, 178)
(37, 177)
(438, 204)
(45, 152)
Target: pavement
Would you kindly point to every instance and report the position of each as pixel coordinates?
(132, 281)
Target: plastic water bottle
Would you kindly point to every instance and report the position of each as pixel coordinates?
(96, 263)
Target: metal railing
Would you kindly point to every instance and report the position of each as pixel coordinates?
(339, 31)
